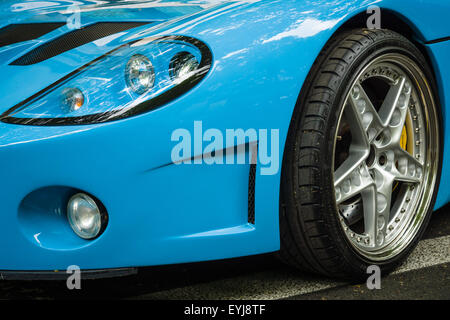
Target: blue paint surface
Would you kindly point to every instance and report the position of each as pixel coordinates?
(161, 213)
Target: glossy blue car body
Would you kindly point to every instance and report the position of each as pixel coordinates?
(161, 213)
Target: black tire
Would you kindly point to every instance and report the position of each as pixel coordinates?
(311, 236)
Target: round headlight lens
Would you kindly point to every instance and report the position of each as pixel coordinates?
(72, 99)
(182, 65)
(139, 74)
(84, 216)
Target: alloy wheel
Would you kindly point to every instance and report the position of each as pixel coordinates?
(384, 171)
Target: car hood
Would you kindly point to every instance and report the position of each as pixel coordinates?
(12, 12)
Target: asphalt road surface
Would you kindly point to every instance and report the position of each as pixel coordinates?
(425, 275)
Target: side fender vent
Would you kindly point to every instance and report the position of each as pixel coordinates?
(15, 33)
(251, 194)
(73, 40)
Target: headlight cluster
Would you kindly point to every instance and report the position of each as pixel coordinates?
(134, 78)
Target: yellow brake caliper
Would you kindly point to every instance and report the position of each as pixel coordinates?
(403, 145)
(404, 138)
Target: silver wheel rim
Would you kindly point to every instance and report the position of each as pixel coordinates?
(384, 187)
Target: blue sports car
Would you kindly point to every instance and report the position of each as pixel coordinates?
(141, 133)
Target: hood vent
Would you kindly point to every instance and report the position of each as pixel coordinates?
(74, 39)
(15, 33)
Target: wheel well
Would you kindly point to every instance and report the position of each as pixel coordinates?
(392, 21)
(389, 20)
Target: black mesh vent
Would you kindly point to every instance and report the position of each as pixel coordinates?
(74, 39)
(251, 194)
(15, 33)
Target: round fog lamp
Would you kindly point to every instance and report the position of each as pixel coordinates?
(139, 74)
(84, 216)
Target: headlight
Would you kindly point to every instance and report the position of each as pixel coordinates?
(139, 74)
(132, 79)
(182, 65)
(72, 99)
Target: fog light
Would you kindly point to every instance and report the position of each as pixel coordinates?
(86, 216)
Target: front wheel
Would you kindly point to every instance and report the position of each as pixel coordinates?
(362, 161)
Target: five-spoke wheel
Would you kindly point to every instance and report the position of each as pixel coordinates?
(361, 165)
(380, 173)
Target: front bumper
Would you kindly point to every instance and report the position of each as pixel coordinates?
(159, 212)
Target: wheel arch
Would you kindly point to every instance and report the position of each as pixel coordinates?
(395, 21)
